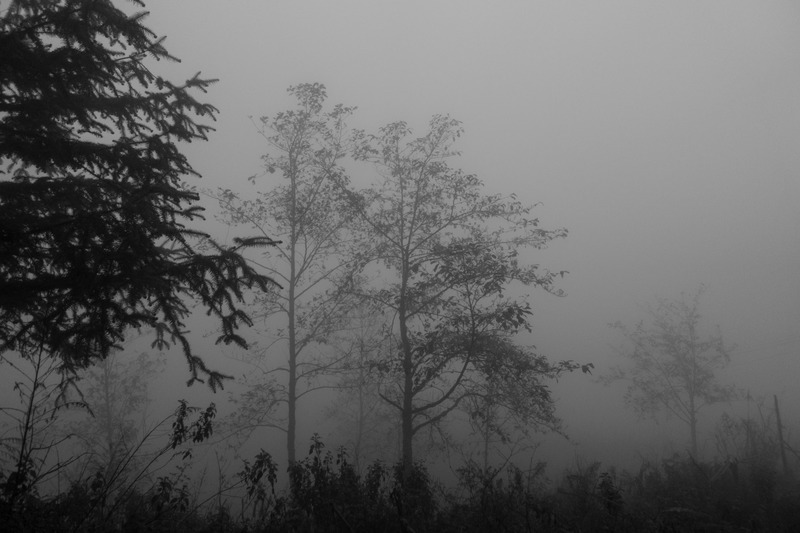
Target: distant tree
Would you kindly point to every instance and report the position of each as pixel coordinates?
(447, 254)
(116, 393)
(368, 426)
(93, 209)
(672, 367)
(307, 214)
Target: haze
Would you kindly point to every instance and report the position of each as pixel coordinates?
(663, 135)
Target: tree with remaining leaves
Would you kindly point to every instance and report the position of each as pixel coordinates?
(673, 367)
(511, 398)
(312, 262)
(448, 255)
(93, 206)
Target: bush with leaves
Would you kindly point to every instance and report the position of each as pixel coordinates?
(588, 498)
(500, 500)
(680, 493)
(325, 489)
(259, 500)
(326, 494)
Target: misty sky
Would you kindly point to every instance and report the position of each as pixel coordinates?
(664, 135)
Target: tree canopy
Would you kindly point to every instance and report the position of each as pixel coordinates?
(94, 212)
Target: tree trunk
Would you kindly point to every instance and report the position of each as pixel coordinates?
(291, 426)
(360, 423)
(291, 429)
(408, 404)
(407, 415)
(408, 430)
(108, 418)
(489, 415)
(693, 428)
(692, 390)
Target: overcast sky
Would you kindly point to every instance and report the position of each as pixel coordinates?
(664, 135)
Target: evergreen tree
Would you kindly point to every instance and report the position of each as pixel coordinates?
(93, 206)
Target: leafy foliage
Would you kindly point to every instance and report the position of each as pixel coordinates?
(93, 209)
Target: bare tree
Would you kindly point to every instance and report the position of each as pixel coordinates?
(29, 438)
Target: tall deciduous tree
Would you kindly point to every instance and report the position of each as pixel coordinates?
(672, 367)
(93, 207)
(448, 255)
(306, 212)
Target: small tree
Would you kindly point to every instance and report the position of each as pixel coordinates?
(672, 368)
(307, 214)
(93, 208)
(447, 254)
(29, 439)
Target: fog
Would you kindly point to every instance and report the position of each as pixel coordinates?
(663, 135)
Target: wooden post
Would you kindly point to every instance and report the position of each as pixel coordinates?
(749, 447)
(780, 435)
